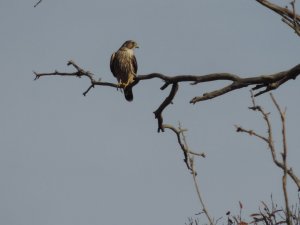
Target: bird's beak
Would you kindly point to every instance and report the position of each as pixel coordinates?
(137, 46)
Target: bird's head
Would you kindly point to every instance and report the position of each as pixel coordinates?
(130, 45)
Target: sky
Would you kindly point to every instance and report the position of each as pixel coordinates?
(66, 159)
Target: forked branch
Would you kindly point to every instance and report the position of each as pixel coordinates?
(282, 164)
(289, 15)
(189, 161)
(182, 143)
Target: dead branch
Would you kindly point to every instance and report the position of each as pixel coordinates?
(269, 140)
(189, 160)
(179, 132)
(36, 4)
(284, 157)
(164, 104)
(250, 132)
(289, 16)
(263, 83)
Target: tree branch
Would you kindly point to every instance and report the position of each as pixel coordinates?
(194, 174)
(282, 165)
(284, 157)
(79, 73)
(289, 16)
(179, 132)
(164, 104)
(264, 83)
(189, 161)
(36, 4)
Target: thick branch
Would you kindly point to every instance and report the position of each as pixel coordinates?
(166, 102)
(265, 83)
(269, 82)
(219, 92)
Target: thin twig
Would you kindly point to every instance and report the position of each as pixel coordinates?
(270, 142)
(189, 161)
(250, 132)
(179, 131)
(194, 174)
(36, 4)
(284, 158)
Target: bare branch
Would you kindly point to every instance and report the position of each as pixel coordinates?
(265, 82)
(199, 193)
(190, 164)
(251, 132)
(289, 16)
(79, 73)
(180, 131)
(36, 4)
(282, 165)
(164, 104)
(270, 82)
(284, 157)
(189, 161)
(219, 92)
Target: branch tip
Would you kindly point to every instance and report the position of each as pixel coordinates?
(166, 84)
(36, 4)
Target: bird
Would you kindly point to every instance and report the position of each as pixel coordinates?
(123, 66)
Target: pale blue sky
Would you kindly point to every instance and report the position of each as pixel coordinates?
(66, 159)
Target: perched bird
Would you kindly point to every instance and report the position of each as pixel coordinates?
(124, 67)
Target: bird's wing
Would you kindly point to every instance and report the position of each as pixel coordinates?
(134, 64)
(112, 64)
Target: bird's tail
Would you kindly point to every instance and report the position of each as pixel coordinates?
(128, 93)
